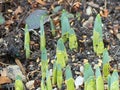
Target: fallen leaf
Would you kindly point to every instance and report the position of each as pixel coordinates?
(4, 80)
(104, 13)
(41, 2)
(18, 10)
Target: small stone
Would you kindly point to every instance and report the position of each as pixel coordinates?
(51, 72)
(81, 69)
(30, 85)
(78, 81)
(118, 36)
(89, 10)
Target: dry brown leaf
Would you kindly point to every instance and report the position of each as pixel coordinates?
(4, 72)
(18, 10)
(4, 80)
(104, 13)
(40, 2)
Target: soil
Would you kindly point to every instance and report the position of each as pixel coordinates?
(12, 35)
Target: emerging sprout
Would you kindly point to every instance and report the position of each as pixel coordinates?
(69, 79)
(44, 63)
(99, 80)
(61, 53)
(72, 40)
(48, 81)
(106, 65)
(89, 79)
(27, 42)
(98, 44)
(59, 76)
(65, 25)
(52, 27)
(42, 34)
(54, 77)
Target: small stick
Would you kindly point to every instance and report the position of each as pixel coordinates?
(105, 4)
(20, 65)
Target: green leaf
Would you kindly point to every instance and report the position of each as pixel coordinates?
(65, 25)
(43, 87)
(59, 76)
(72, 40)
(52, 27)
(57, 9)
(2, 19)
(69, 79)
(87, 71)
(33, 20)
(18, 83)
(106, 65)
(90, 84)
(99, 80)
(61, 53)
(88, 77)
(44, 63)
(98, 44)
(114, 85)
(42, 34)
(48, 81)
(54, 77)
(27, 42)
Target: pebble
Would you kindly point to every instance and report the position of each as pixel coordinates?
(78, 81)
(81, 69)
(89, 10)
(30, 84)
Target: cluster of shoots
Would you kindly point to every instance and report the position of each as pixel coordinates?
(92, 81)
(96, 82)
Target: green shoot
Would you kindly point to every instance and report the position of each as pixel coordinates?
(42, 34)
(43, 87)
(48, 81)
(106, 65)
(27, 42)
(62, 57)
(99, 80)
(98, 44)
(59, 76)
(44, 63)
(52, 27)
(72, 40)
(89, 77)
(114, 81)
(69, 79)
(54, 77)
(18, 83)
(65, 25)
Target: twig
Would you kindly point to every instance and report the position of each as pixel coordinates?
(20, 65)
(105, 4)
(4, 64)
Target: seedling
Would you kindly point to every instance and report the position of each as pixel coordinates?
(54, 77)
(62, 57)
(52, 27)
(89, 79)
(44, 63)
(18, 83)
(27, 42)
(72, 40)
(42, 34)
(65, 26)
(59, 76)
(48, 81)
(69, 79)
(106, 65)
(99, 80)
(43, 87)
(113, 81)
(98, 44)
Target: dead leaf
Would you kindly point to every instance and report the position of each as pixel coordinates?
(4, 72)
(18, 10)
(4, 80)
(41, 2)
(104, 13)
